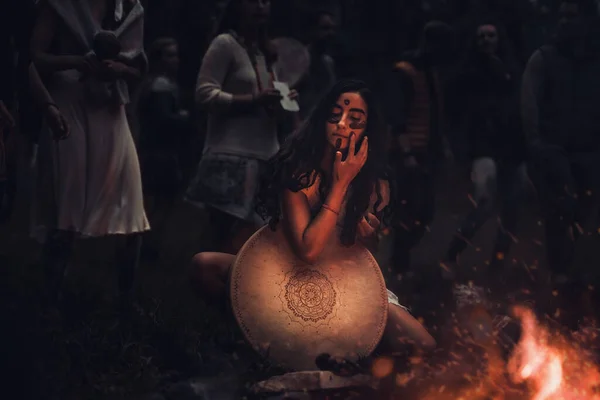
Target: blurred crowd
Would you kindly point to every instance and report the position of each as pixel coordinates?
(123, 107)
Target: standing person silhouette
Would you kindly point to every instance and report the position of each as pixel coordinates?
(235, 85)
(93, 183)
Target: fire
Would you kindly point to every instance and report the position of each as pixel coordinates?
(552, 366)
(534, 361)
(543, 365)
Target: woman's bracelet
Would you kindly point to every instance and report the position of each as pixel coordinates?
(325, 206)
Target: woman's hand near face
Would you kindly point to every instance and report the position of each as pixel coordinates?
(345, 171)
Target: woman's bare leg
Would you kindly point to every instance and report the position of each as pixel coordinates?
(403, 331)
(209, 275)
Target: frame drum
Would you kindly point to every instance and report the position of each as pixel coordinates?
(291, 311)
(293, 60)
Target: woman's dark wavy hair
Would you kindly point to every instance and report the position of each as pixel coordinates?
(230, 21)
(301, 154)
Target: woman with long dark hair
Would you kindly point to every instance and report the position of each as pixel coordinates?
(235, 85)
(329, 174)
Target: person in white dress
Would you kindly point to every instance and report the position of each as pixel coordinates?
(90, 184)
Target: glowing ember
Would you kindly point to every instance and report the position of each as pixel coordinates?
(382, 367)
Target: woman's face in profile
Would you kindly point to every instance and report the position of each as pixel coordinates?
(349, 115)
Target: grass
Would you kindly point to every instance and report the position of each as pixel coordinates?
(84, 353)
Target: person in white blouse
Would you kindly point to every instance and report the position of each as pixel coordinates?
(235, 86)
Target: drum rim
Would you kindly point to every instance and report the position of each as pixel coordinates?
(239, 319)
(277, 40)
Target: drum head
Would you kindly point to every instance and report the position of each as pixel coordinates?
(291, 312)
(293, 60)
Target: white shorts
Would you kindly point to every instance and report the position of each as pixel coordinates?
(393, 299)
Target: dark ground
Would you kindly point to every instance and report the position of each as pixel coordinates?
(87, 355)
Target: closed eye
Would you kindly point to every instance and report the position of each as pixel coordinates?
(356, 115)
(358, 123)
(335, 118)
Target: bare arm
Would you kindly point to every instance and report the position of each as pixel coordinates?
(309, 236)
(531, 91)
(55, 120)
(122, 69)
(43, 34)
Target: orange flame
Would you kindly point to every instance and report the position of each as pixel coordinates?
(544, 365)
(552, 366)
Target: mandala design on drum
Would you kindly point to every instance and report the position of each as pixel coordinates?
(310, 295)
